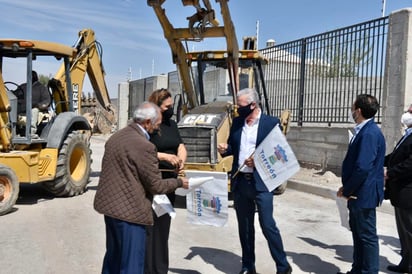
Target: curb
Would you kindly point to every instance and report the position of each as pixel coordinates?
(329, 193)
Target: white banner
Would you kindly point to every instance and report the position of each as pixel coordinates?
(194, 183)
(207, 204)
(162, 205)
(342, 206)
(274, 159)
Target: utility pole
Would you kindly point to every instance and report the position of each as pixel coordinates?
(383, 7)
(129, 75)
(257, 34)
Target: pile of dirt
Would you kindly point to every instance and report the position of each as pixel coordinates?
(310, 175)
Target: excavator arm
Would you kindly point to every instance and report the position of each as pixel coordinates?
(5, 134)
(203, 24)
(211, 112)
(87, 59)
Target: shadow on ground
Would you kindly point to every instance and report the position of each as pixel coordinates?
(33, 194)
(313, 264)
(391, 242)
(224, 261)
(309, 263)
(183, 271)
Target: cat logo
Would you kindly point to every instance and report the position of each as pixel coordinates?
(199, 119)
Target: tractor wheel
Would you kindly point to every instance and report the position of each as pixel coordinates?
(73, 166)
(280, 189)
(9, 189)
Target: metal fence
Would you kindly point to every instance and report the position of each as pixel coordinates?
(317, 78)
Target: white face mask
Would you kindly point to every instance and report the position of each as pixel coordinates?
(351, 120)
(406, 119)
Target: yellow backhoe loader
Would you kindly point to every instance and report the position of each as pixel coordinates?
(59, 157)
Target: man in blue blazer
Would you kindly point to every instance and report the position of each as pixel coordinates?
(398, 188)
(247, 132)
(362, 184)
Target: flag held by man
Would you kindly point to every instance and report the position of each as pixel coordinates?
(274, 159)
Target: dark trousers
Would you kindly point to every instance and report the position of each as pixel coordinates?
(362, 222)
(157, 248)
(404, 225)
(246, 198)
(125, 247)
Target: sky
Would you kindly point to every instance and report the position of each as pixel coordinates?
(132, 39)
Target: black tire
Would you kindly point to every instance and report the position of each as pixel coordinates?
(73, 166)
(280, 189)
(9, 189)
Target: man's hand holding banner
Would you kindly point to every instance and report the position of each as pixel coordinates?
(274, 159)
(206, 199)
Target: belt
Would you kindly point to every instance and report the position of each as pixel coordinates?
(247, 176)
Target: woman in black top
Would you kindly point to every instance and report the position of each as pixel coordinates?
(172, 154)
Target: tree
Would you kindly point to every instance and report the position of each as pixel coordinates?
(44, 79)
(337, 57)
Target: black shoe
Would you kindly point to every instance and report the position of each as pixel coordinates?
(343, 272)
(245, 271)
(288, 271)
(398, 269)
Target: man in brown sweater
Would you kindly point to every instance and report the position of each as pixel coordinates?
(129, 178)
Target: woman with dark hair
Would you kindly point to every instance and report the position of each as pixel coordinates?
(171, 153)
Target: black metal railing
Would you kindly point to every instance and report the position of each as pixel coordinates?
(317, 78)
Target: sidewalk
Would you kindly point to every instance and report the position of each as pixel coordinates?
(325, 185)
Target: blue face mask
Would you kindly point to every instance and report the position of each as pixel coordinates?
(244, 111)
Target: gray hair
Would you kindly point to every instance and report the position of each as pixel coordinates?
(252, 95)
(145, 111)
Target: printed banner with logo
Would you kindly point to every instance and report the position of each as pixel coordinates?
(162, 205)
(207, 204)
(274, 159)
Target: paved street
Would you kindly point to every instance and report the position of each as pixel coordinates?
(65, 235)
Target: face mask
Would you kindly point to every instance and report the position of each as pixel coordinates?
(353, 117)
(406, 119)
(351, 120)
(155, 132)
(244, 111)
(167, 114)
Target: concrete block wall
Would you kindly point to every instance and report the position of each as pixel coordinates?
(398, 75)
(173, 84)
(140, 90)
(122, 105)
(320, 147)
(153, 83)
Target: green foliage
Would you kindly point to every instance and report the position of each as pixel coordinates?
(44, 79)
(342, 58)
